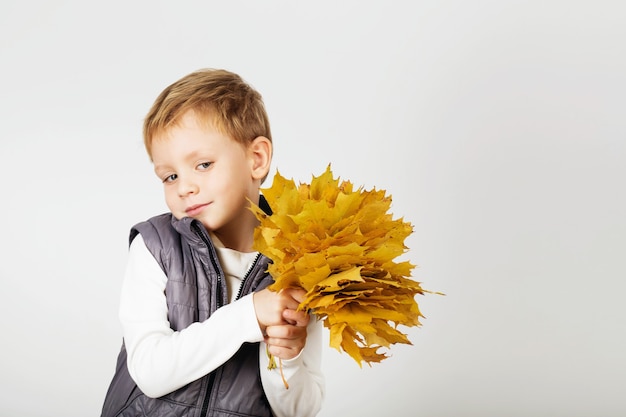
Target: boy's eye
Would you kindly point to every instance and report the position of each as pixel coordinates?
(170, 178)
(204, 165)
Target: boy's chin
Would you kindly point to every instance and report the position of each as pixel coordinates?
(180, 216)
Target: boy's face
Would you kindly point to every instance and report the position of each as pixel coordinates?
(207, 175)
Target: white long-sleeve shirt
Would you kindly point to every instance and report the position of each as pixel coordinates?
(161, 360)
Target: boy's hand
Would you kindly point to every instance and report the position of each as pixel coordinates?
(287, 341)
(270, 306)
(282, 325)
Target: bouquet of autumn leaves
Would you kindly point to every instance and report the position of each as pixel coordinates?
(339, 245)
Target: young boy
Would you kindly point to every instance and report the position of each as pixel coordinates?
(197, 319)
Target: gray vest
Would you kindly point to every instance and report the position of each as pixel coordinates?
(195, 288)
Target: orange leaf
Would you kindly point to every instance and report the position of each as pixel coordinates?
(340, 245)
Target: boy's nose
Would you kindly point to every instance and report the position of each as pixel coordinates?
(187, 187)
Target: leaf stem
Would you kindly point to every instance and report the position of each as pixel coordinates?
(272, 365)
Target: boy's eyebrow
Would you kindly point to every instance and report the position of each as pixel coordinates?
(189, 157)
(162, 167)
(160, 170)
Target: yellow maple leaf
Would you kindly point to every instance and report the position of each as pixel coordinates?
(340, 246)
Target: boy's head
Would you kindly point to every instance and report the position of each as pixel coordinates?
(208, 138)
(218, 97)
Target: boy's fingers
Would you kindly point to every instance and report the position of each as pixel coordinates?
(285, 341)
(297, 294)
(296, 318)
(285, 332)
(284, 352)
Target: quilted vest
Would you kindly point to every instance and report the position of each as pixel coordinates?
(195, 289)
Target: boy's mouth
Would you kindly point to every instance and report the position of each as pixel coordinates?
(195, 209)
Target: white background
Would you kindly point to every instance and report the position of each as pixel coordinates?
(498, 127)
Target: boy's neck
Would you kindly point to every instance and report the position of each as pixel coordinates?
(238, 236)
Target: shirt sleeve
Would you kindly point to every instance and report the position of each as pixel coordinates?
(161, 360)
(303, 373)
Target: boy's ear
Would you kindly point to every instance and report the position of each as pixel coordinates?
(260, 154)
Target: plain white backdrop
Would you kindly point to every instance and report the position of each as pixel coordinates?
(499, 128)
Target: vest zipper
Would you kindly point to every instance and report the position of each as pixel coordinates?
(207, 395)
(220, 303)
(216, 267)
(245, 277)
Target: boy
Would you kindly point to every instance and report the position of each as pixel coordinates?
(197, 320)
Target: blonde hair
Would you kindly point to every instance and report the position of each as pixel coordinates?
(217, 96)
